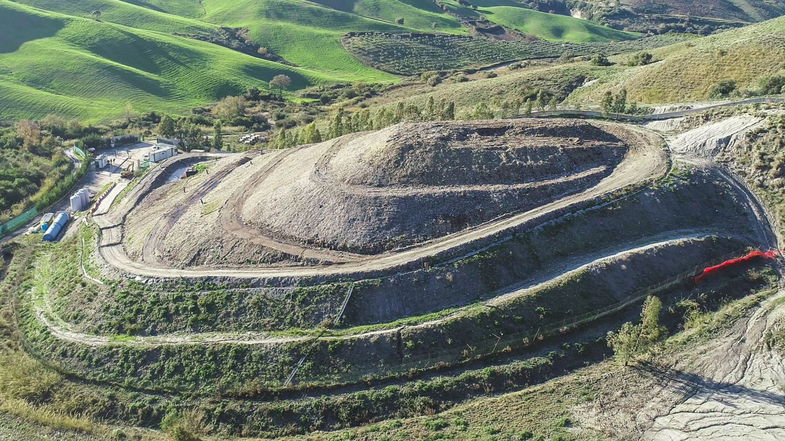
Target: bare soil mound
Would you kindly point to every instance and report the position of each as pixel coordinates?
(414, 182)
(370, 193)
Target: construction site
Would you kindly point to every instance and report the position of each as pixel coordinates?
(379, 275)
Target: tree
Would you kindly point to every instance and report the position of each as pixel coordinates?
(218, 141)
(96, 14)
(400, 111)
(542, 100)
(166, 127)
(632, 340)
(620, 103)
(30, 133)
(600, 60)
(528, 106)
(400, 21)
(282, 139)
(615, 103)
(280, 82)
(230, 107)
(337, 127)
(253, 94)
(449, 112)
(311, 134)
(607, 102)
(190, 134)
(553, 103)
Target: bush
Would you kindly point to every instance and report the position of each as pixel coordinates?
(723, 89)
(63, 187)
(230, 107)
(181, 427)
(641, 59)
(93, 141)
(635, 339)
(600, 60)
(773, 85)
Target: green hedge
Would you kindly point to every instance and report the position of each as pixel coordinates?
(63, 187)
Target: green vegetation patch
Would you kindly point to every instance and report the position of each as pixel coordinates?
(413, 53)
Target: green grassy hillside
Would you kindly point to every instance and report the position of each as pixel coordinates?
(690, 71)
(551, 27)
(83, 68)
(89, 58)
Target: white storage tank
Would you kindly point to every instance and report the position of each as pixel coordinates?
(80, 200)
(76, 202)
(85, 197)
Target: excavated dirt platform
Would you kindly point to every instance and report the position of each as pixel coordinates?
(360, 195)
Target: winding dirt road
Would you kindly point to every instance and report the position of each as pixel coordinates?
(646, 160)
(64, 331)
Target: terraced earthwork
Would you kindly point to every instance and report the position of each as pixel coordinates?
(381, 274)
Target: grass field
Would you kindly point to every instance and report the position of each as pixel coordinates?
(62, 57)
(689, 71)
(100, 67)
(551, 27)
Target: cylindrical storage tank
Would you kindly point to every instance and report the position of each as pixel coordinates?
(85, 197)
(59, 222)
(76, 202)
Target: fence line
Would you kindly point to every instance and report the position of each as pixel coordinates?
(11, 226)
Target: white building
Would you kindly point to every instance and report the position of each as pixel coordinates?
(101, 161)
(160, 152)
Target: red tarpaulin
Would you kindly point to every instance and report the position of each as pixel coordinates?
(753, 255)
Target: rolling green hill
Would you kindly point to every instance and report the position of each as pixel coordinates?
(690, 71)
(89, 58)
(83, 68)
(550, 27)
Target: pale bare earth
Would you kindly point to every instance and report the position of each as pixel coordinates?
(733, 391)
(730, 388)
(645, 160)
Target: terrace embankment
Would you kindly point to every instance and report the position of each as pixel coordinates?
(515, 319)
(407, 192)
(694, 203)
(290, 286)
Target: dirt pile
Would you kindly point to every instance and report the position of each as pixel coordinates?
(370, 193)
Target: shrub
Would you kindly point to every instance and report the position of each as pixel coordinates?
(723, 89)
(600, 60)
(93, 141)
(230, 107)
(641, 59)
(634, 339)
(772, 85)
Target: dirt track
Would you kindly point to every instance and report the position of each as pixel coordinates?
(645, 161)
(64, 331)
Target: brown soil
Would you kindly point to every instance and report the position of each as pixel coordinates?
(344, 200)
